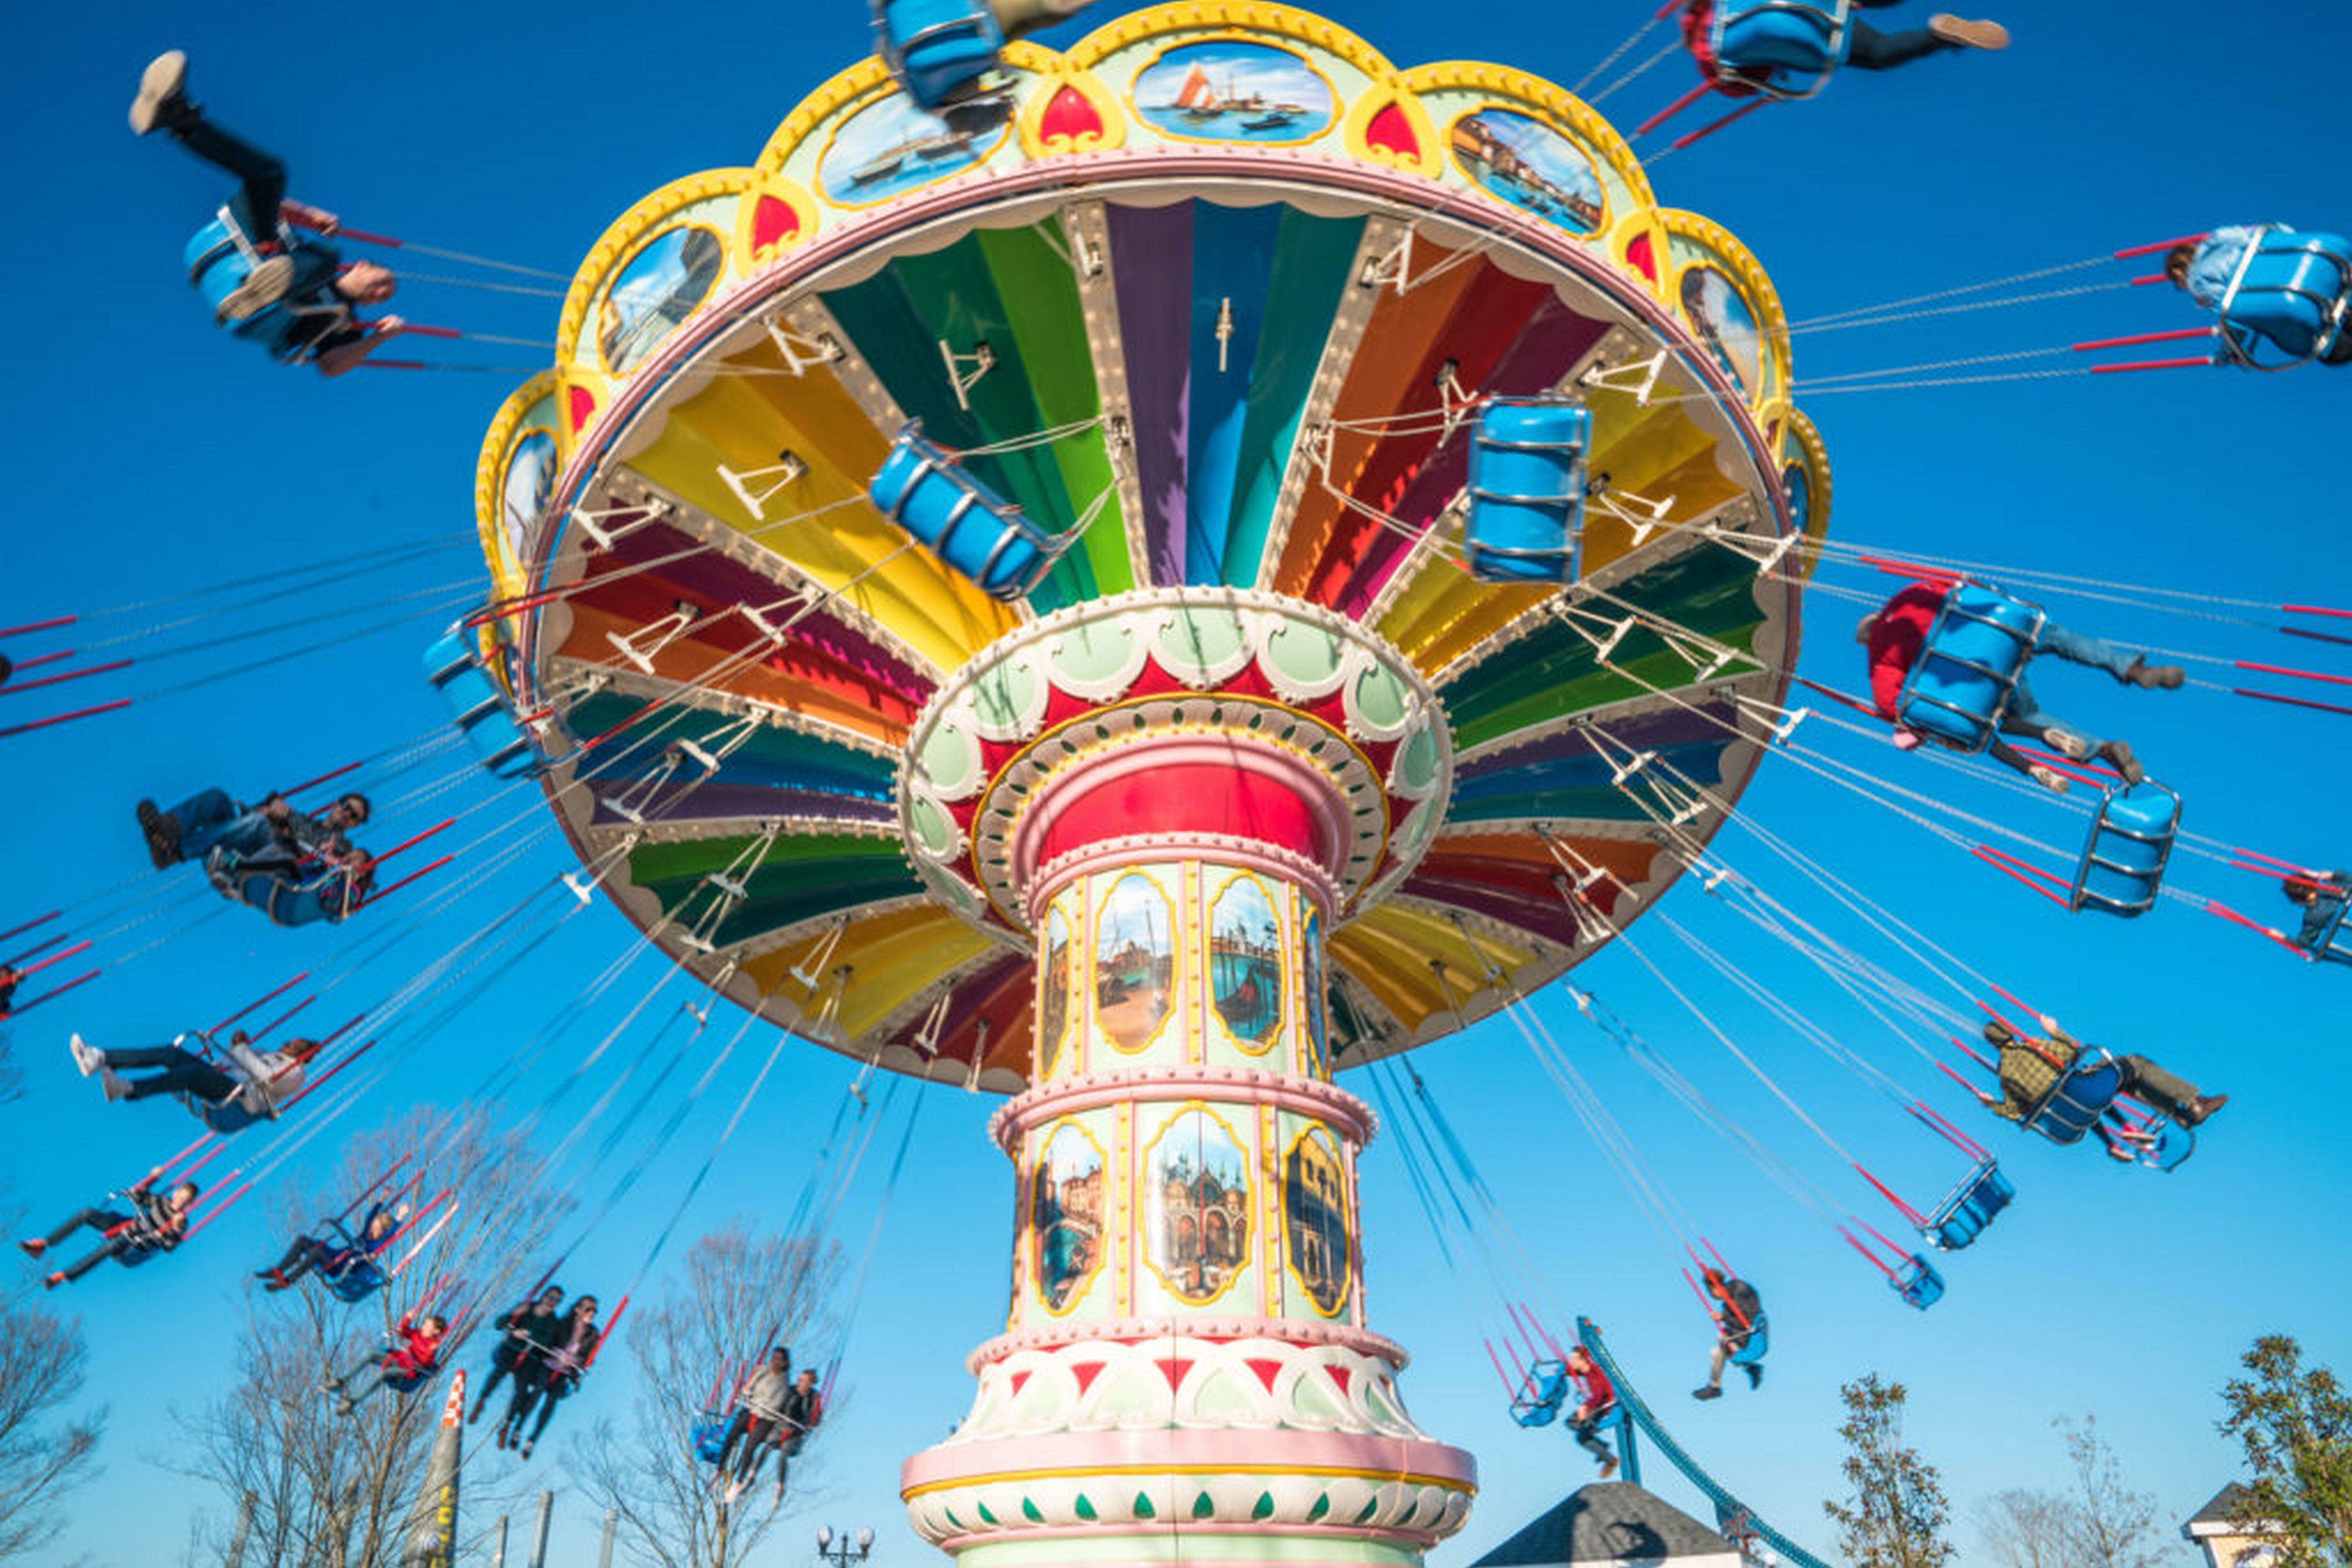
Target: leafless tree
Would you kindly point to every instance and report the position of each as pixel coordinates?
(741, 1295)
(330, 1488)
(2024, 1529)
(43, 1361)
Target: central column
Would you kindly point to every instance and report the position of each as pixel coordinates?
(1186, 1374)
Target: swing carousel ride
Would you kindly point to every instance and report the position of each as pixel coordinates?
(1238, 562)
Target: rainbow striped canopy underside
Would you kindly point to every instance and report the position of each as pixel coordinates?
(1223, 365)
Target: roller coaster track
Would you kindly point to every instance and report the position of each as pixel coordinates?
(1633, 1413)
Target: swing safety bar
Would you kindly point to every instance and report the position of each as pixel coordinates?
(30, 626)
(64, 718)
(16, 686)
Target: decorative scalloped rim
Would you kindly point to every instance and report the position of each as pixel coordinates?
(489, 468)
(620, 242)
(1770, 401)
(1053, 72)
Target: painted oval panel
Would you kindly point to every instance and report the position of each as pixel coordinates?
(1530, 166)
(1721, 316)
(1054, 990)
(1134, 961)
(1245, 961)
(1196, 1183)
(1235, 90)
(890, 147)
(655, 293)
(1315, 1219)
(1065, 1214)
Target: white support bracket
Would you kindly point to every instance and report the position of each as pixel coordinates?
(1639, 377)
(773, 481)
(1224, 333)
(591, 522)
(1639, 513)
(1456, 401)
(983, 359)
(1768, 558)
(662, 633)
(1780, 723)
(810, 970)
(800, 350)
(1393, 267)
(934, 1025)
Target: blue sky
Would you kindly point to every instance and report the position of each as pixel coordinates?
(149, 454)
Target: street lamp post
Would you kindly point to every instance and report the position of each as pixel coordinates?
(841, 1548)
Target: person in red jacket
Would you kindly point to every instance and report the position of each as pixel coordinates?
(1596, 1402)
(414, 1355)
(1894, 635)
(1868, 48)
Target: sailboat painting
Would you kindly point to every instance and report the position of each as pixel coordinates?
(1234, 90)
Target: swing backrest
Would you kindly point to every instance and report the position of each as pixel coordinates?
(937, 51)
(1785, 48)
(1976, 652)
(1526, 523)
(2129, 845)
(1759, 1342)
(1961, 1218)
(2334, 942)
(2077, 1100)
(1541, 1393)
(356, 1283)
(478, 707)
(972, 529)
(1917, 1282)
(2290, 289)
(220, 257)
(711, 1436)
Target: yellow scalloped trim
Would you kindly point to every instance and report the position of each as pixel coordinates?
(620, 238)
(1549, 102)
(1052, 73)
(1619, 239)
(1772, 320)
(1810, 453)
(489, 468)
(839, 91)
(1249, 16)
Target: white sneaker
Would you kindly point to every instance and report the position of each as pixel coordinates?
(263, 287)
(117, 1087)
(166, 78)
(1968, 34)
(87, 1058)
(2056, 783)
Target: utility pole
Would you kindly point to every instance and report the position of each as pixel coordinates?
(539, 1535)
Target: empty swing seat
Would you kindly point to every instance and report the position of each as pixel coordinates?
(2130, 843)
(480, 707)
(920, 488)
(1977, 651)
(1526, 523)
(939, 51)
(2291, 290)
(2077, 1101)
(1917, 1282)
(1783, 48)
(1541, 1394)
(1961, 1218)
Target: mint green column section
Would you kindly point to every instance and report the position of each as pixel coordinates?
(1314, 261)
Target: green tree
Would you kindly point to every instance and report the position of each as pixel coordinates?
(2296, 1427)
(1895, 1514)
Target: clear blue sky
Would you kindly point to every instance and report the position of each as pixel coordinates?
(147, 455)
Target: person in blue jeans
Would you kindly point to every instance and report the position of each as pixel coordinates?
(2203, 269)
(2024, 715)
(209, 819)
(293, 295)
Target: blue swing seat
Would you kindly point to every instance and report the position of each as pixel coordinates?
(1976, 653)
(1961, 1218)
(355, 1281)
(710, 1436)
(1917, 1282)
(2291, 291)
(1759, 1343)
(2334, 942)
(1541, 1397)
(975, 531)
(2129, 845)
(939, 52)
(1526, 523)
(2077, 1100)
(221, 256)
(480, 707)
(1782, 48)
(327, 896)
